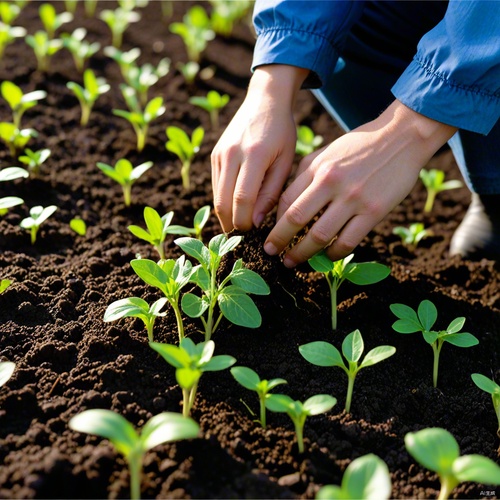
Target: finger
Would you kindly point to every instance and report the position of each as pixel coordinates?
(293, 192)
(223, 195)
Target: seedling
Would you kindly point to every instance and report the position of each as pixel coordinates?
(6, 367)
(87, 95)
(38, 215)
(78, 226)
(423, 320)
(80, 49)
(366, 477)
(195, 31)
(8, 34)
(134, 307)
(212, 104)
(18, 101)
(124, 59)
(325, 354)
(225, 13)
(139, 119)
(125, 174)
(4, 284)
(491, 387)
(436, 449)
(188, 70)
(412, 235)
(199, 221)
(433, 180)
(9, 12)
(14, 138)
(118, 21)
(51, 20)
(185, 148)
(9, 202)
(34, 159)
(190, 361)
(307, 141)
(12, 173)
(44, 48)
(298, 411)
(165, 427)
(89, 6)
(170, 276)
(233, 299)
(249, 379)
(365, 273)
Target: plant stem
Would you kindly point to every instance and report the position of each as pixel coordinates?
(436, 347)
(262, 410)
(185, 403)
(34, 230)
(447, 485)
(332, 283)
(299, 431)
(141, 137)
(186, 183)
(178, 317)
(192, 396)
(127, 194)
(350, 387)
(429, 203)
(85, 115)
(149, 322)
(135, 468)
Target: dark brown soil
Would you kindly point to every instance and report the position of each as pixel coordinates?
(69, 360)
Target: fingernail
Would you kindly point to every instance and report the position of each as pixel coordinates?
(258, 220)
(270, 249)
(288, 262)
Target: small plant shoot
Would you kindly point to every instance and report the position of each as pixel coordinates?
(4, 284)
(190, 361)
(12, 173)
(411, 236)
(365, 273)
(325, 354)
(51, 20)
(188, 70)
(18, 101)
(434, 183)
(437, 450)
(422, 320)
(80, 49)
(38, 215)
(14, 138)
(6, 369)
(231, 293)
(249, 379)
(118, 21)
(225, 13)
(212, 104)
(34, 160)
(44, 48)
(165, 427)
(491, 387)
(307, 141)
(8, 34)
(366, 477)
(298, 411)
(9, 202)
(199, 221)
(78, 226)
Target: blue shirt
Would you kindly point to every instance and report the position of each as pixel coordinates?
(454, 76)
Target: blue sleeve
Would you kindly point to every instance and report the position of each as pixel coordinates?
(308, 34)
(455, 76)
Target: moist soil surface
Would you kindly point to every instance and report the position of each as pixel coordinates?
(68, 360)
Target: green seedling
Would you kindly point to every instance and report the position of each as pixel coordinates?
(51, 20)
(434, 183)
(125, 174)
(18, 101)
(4, 284)
(491, 387)
(325, 354)
(125, 60)
(436, 449)
(157, 229)
(8, 34)
(34, 160)
(132, 4)
(225, 13)
(14, 138)
(89, 6)
(249, 379)
(139, 119)
(190, 361)
(212, 104)
(9, 202)
(78, 226)
(80, 49)
(307, 141)
(365, 273)
(231, 294)
(118, 21)
(6, 367)
(185, 148)
(195, 31)
(44, 48)
(412, 235)
(298, 411)
(12, 173)
(135, 307)
(199, 221)
(422, 320)
(169, 276)
(188, 70)
(366, 477)
(70, 6)
(38, 215)
(87, 95)
(9, 11)
(165, 427)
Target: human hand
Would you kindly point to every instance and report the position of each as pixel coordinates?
(354, 182)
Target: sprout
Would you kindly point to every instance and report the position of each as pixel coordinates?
(412, 235)
(34, 159)
(199, 221)
(15, 139)
(491, 387)
(51, 20)
(307, 142)
(38, 215)
(8, 34)
(9, 202)
(226, 12)
(12, 173)
(433, 180)
(188, 70)
(212, 103)
(79, 48)
(44, 48)
(9, 12)
(118, 21)
(78, 226)
(19, 102)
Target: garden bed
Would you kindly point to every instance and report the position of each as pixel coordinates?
(68, 360)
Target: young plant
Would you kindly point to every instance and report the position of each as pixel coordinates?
(51, 20)
(249, 379)
(190, 361)
(9, 202)
(325, 354)
(4, 284)
(125, 60)
(89, 6)
(436, 449)
(87, 95)
(8, 34)
(231, 294)
(78, 226)
(225, 13)
(188, 70)
(422, 320)
(199, 221)
(307, 141)
(212, 104)
(165, 427)
(185, 148)
(298, 411)
(9, 11)
(366, 477)
(38, 215)
(18, 101)
(118, 21)
(6, 367)
(14, 138)
(412, 235)
(139, 119)
(135, 307)
(12, 173)
(80, 49)
(125, 174)
(169, 276)
(433, 180)
(195, 31)
(44, 48)
(491, 387)
(365, 273)
(34, 159)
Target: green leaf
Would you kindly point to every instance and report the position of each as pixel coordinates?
(245, 376)
(320, 403)
(461, 339)
(321, 354)
(430, 337)
(331, 492)
(154, 223)
(353, 346)
(194, 248)
(150, 272)
(366, 273)
(238, 307)
(229, 245)
(321, 263)
(408, 321)
(280, 403)
(218, 363)
(129, 307)
(456, 325)
(187, 377)
(11, 173)
(78, 226)
(377, 355)
(485, 383)
(167, 427)
(427, 314)
(478, 469)
(172, 354)
(193, 305)
(249, 281)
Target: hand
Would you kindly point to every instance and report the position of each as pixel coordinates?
(354, 182)
(253, 158)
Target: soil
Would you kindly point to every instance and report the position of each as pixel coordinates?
(68, 360)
